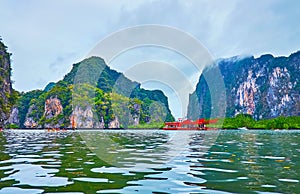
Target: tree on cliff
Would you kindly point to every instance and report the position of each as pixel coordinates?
(8, 96)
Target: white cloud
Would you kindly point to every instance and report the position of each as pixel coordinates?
(41, 34)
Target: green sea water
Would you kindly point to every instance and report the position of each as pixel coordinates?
(149, 161)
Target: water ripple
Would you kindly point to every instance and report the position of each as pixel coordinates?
(91, 180)
(14, 190)
(41, 177)
(236, 162)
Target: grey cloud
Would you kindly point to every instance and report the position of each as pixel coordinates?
(58, 64)
(36, 32)
(227, 28)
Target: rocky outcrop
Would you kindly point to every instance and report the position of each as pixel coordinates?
(101, 124)
(245, 94)
(5, 84)
(279, 95)
(135, 114)
(31, 121)
(53, 107)
(264, 87)
(84, 118)
(114, 124)
(14, 117)
(108, 94)
(52, 116)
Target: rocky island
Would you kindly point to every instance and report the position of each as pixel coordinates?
(116, 101)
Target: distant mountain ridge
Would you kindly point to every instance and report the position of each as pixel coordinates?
(264, 87)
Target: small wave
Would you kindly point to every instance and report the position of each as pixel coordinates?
(289, 180)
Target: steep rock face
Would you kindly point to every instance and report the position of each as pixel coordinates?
(245, 94)
(52, 116)
(114, 124)
(279, 96)
(53, 107)
(31, 120)
(265, 87)
(200, 102)
(135, 115)
(5, 84)
(14, 117)
(84, 118)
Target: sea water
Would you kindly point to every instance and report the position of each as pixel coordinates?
(149, 161)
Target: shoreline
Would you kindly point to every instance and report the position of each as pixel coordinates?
(124, 129)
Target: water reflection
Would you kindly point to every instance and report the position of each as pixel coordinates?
(149, 161)
(25, 163)
(252, 161)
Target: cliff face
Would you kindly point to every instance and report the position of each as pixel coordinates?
(31, 119)
(52, 116)
(14, 117)
(53, 107)
(53, 113)
(84, 118)
(265, 87)
(5, 84)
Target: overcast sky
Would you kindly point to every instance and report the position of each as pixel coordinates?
(47, 37)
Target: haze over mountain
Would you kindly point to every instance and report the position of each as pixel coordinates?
(92, 95)
(58, 33)
(264, 87)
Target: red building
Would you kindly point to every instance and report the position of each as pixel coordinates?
(199, 124)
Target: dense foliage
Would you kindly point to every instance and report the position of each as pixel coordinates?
(244, 120)
(8, 96)
(24, 102)
(109, 93)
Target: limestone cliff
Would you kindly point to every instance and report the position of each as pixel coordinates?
(265, 87)
(92, 96)
(13, 117)
(52, 115)
(135, 114)
(5, 84)
(31, 120)
(84, 118)
(53, 107)
(114, 123)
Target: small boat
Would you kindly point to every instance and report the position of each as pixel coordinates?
(243, 128)
(199, 124)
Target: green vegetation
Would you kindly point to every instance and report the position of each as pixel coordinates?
(244, 120)
(11, 126)
(109, 93)
(49, 86)
(8, 96)
(152, 125)
(24, 102)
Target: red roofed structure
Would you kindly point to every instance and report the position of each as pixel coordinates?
(199, 124)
